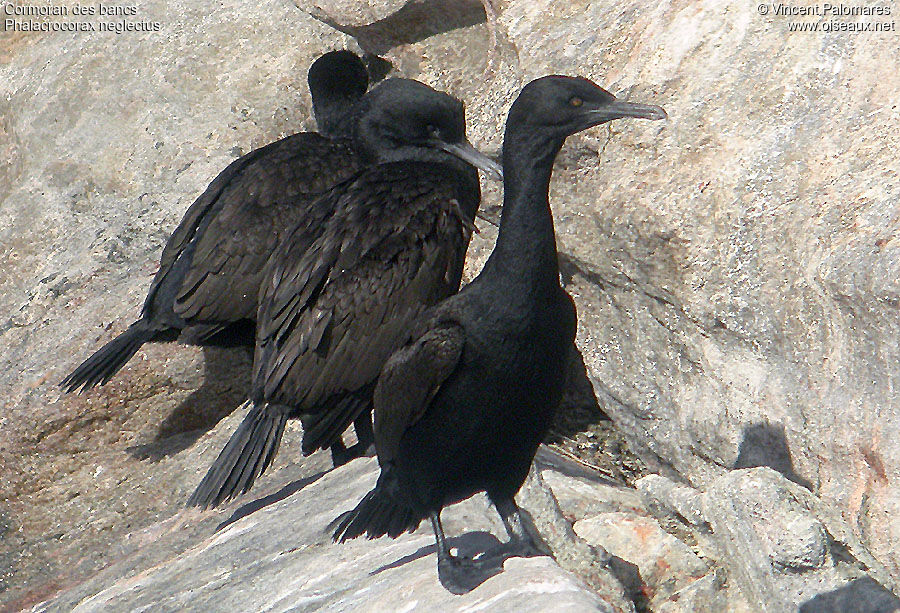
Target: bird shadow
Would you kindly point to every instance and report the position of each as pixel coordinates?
(863, 595)
(261, 503)
(225, 383)
(415, 21)
(378, 68)
(486, 553)
(468, 545)
(765, 444)
(629, 577)
(579, 400)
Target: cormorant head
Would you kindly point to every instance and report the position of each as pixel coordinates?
(407, 119)
(558, 106)
(337, 80)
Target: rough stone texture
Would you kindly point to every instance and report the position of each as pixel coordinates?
(781, 548)
(106, 139)
(666, 564)
(615, 582)
(736, 274)
(684, 501)
(734, 268)
(775, 547)
(352, 12)
(280, 558)
(587, 497)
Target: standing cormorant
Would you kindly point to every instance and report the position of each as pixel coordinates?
(332, 312)
(462, 407)
(205, 291)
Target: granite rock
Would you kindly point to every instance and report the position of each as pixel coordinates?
(734, 268)
(278, 556)
(779, 547)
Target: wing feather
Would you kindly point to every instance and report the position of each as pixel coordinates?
(409, 381)
(233, 227)
(335, 310)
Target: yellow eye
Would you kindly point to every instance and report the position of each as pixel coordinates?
(576, 101)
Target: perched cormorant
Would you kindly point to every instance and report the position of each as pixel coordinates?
(332, 312)
(205, 291)
(463, 405)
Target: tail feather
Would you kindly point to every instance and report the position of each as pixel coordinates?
(248, 453)
(324, 428)
(377, 514)
(106, 361)
(258, 458)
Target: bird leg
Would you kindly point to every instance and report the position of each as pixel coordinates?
(521, 543)
(458, 575)
(339, 453)
(365, 435)
(365, 442)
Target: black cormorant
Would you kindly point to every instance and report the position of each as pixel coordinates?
(332, 312)
(205, 291)
(462, 407)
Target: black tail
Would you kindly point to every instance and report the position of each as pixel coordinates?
(323, 428)
(248, 453)
(106, 361)
(379, 513)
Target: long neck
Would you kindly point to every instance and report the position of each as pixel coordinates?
(409, 153)
(333, 114)
(525, 252)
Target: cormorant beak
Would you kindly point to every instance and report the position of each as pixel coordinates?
(469, 154)
(618, 109)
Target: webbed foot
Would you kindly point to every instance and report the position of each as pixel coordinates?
(462, 575)
(340, 454)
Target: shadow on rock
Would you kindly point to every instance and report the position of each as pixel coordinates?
(579, 407)
(481, 549)
(468, 545)
(225, 384)
(261, 503)
(378, 68)
(414, 22)
(863, 595)
(629, 576)
(584, 433)
(766, 445)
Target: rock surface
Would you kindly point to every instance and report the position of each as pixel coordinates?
(279, 558)
(665, 563)
(273, 553)
(734, 270)
(736, 275)
(781, 548)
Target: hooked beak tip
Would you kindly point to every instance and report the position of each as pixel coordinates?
(658, 112)
(494, 171)
(621, 110)
(466, 152)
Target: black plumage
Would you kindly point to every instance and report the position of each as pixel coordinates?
(337, 82)
(206, 289)
(335, 306)
(462, 407)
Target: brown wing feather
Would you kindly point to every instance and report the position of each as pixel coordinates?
(196, 217)
(410, 379)
(330, 318)
(240, 219)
